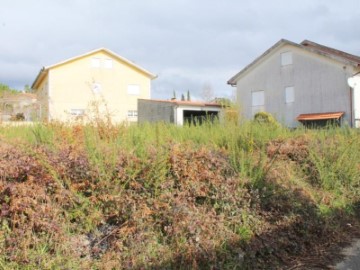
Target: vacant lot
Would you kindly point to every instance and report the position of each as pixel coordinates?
(220, 196)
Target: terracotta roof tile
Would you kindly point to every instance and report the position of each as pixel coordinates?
(185, 102)
(319, 116)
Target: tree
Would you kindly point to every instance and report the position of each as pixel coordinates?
(5, 89)
(174, 95)
(188, 96)
(182, 97)
(27, 89)
(226, 102)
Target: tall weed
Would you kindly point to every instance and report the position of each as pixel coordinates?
(335, 160)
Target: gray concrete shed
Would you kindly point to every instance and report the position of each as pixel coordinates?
(176, 111)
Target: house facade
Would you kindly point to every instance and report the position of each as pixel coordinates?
(98, 82)
(304, 82)
(177, 112)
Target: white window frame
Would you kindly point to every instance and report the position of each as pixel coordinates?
(133, 89)
(258, 98)
(95, 62)
(108, 63)
(289, 94)
(286, 58)
(77, 112)
(257, 101)
(132, 113)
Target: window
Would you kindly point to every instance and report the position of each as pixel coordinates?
(96, 87)
(133, 89)
(108, 63)
(257, 98)
(95, 62)
(289, 94)
(286, 58)
(132, 113)
(77, 112)
(257, 102)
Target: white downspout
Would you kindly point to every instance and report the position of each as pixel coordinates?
(354, 83)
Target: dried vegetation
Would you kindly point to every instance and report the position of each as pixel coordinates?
(137, 198)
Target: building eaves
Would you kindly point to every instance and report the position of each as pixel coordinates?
(42, 73)
(331, 52)
(278, 44)
(44, 70)
(307, 45)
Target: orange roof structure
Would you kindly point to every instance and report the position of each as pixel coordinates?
(187, 102)
(319, 116)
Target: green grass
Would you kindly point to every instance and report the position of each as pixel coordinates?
(162, 195)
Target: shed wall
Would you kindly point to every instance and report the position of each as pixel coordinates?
(154, 111)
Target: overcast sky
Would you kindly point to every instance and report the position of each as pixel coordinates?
(189, 44)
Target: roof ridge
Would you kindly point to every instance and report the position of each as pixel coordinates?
(108, 51)
(330, 50)
(282, 41)
(307, 45)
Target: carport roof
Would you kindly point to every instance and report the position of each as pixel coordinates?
(186, 103)
(319, 116)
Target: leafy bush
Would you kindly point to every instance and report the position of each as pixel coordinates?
(265, 118)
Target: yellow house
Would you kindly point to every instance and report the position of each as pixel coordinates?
(99, 82)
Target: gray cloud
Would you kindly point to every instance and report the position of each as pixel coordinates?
(187, 43)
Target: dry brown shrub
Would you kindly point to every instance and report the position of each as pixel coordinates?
(26, 206)
(180, 206)
(295, 149)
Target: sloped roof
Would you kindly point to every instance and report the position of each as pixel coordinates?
(307, 45)
(331, 52)
(185, 102)
(15, 97)
(319, 116)
(44, 70)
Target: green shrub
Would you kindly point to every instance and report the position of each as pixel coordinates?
(265, 118)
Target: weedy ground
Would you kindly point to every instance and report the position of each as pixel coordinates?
(216, 196)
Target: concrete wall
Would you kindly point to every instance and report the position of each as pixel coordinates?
(160, 111)
(43, 100)
(155, 111)
(179, 112)
(320, 85)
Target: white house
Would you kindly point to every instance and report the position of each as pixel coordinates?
(304, 82)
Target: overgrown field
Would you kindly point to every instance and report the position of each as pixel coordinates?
(216, 196)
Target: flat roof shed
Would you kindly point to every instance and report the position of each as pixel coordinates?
(176, 111)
